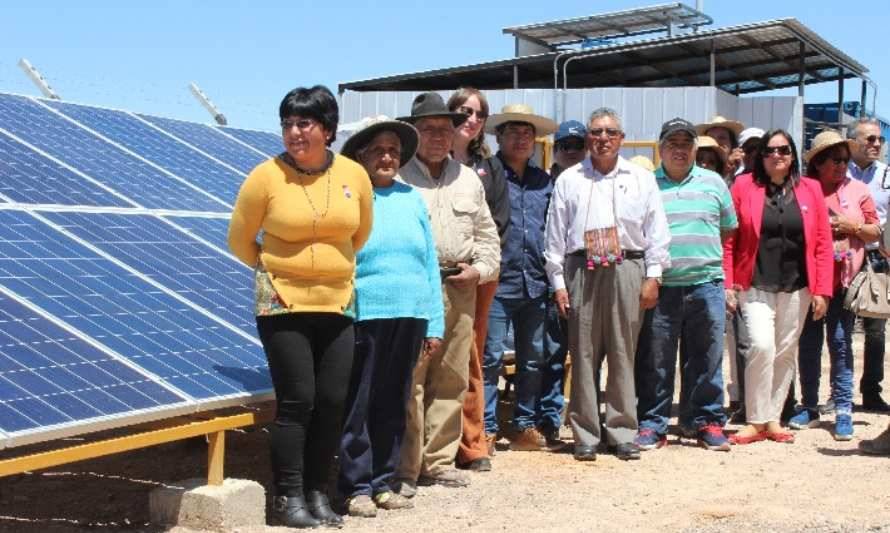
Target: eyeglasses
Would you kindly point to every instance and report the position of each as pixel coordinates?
(469, 111)
(678, 146)
(378, 152)
(783, 150)
(611, 133)
(302, 124)
(871, 139)
(436, 132)
(565, 146)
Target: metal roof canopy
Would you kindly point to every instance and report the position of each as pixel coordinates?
(738, 59)
(612, 25)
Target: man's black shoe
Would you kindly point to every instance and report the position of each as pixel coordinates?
(585, 453)
(874, 402)
(627, 451)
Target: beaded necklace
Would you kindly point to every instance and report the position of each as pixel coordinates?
(601, 244)
(316, 216)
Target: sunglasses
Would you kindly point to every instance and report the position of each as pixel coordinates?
(871, 139)
(570, 145)
(302, 124)
(781, 150)
(611, 133)
(469, 111)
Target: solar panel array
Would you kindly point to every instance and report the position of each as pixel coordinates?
(119, 301)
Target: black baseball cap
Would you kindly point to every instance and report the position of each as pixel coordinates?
(675, 125)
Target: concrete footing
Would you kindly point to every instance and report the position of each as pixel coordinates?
(193, 504)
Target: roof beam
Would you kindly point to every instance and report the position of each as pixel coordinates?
(731, 68)
(765, 48)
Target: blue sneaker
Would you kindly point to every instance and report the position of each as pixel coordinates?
(648, 439)
(711, 437)
(804, 418)
(843, 427)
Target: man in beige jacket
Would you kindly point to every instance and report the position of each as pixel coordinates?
(468, 247)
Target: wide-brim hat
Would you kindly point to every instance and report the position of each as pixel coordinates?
(371, 126)
(521, 113)
(734, 126)
(825, 140)
(705, 141)
(431, 105)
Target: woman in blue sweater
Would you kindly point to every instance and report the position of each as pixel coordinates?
(399, 316)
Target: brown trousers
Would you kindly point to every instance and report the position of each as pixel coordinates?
(433, 422)
(472, 442)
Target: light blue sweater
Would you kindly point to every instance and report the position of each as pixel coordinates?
(397, 271)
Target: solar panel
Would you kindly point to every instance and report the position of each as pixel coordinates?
(51, 379)
(119, 299)
(100, 160)
(33, 178)
(265, 142)
(211, 176)
(194, 270)
(212, 141)
(212, 230)
(147, 324)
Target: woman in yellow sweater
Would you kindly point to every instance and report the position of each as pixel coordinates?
(314, 210)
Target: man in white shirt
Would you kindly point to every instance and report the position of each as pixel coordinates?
(866, 167)
(606, 245)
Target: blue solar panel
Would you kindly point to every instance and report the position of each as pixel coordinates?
(98, 159)
(161, 149)
(212, 230)
(30, 177)
(194, 270)
(50, 377)
(144, 324)
(268, 143)
(211, 141)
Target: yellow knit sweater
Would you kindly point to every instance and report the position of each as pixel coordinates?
(311, 265)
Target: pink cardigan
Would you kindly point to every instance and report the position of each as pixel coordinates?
(740, 250)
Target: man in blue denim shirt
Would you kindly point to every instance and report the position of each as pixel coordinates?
(867, 168)
(521, 296)
(691, 306)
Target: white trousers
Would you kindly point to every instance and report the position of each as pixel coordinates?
(774, 320)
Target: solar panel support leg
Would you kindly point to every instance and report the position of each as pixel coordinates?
(216, 455)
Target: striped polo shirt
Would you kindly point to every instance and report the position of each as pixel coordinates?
(698, 209)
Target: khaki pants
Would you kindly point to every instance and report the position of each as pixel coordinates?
(433, 428)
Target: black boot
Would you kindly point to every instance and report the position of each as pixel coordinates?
(320, 508)
(292, 511)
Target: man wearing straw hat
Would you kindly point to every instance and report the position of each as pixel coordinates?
(521, 297)
(469, 252)
(607, 244)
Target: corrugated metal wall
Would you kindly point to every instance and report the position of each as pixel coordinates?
(642, 110)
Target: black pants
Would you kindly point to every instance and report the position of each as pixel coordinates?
(310, 357)
(385, 353)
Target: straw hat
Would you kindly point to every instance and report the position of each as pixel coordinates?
(705, 141)
(643, 161)
(521, 113)
(825, 140)
(371, 126)
(734, 126)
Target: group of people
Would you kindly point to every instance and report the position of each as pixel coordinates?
(388, 277)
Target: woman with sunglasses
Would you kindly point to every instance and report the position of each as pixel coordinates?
(778, 266)
(311, 209)
(470, 149)
(854, 222)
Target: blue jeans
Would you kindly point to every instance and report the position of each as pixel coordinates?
(838, 323)
(527, 317)
(694, 317)
(556, 347)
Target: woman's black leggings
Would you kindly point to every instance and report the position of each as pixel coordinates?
(310, 359)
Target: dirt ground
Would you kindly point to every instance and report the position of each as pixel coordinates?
(815, 484)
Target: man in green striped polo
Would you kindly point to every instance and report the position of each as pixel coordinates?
(691, 307)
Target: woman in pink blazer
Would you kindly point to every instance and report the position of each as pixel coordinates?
(777, 266)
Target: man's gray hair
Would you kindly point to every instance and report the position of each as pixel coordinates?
(605, 112)
(861, 121)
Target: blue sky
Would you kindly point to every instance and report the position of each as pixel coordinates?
(245, 55)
